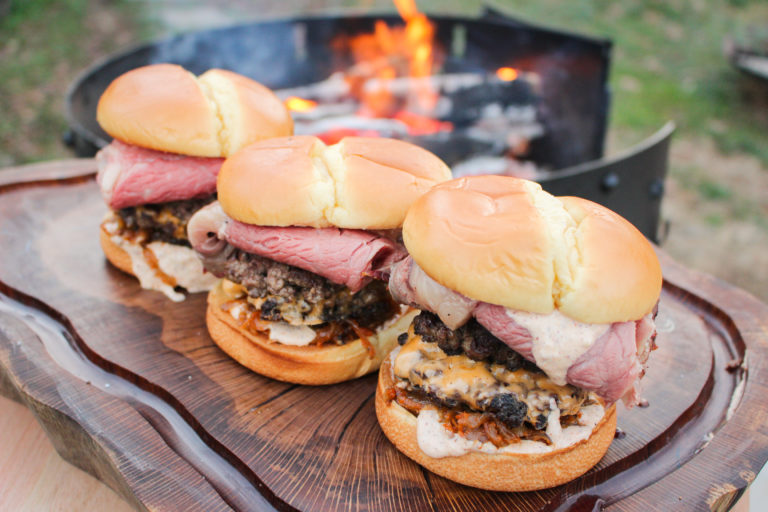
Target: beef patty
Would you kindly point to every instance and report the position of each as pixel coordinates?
(163, 222)
(284, 293)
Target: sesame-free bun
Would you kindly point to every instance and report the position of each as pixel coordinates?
(512, 472)
(310, 364)
(505, 241)
(358, 183)
(114, 253)
(166, 108)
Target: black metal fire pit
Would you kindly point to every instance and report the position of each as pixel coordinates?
(572, 98)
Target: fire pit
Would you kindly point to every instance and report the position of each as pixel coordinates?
(488, 95)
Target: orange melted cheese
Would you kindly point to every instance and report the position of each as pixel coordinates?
(475, 383)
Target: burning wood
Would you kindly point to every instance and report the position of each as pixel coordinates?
(393, 89)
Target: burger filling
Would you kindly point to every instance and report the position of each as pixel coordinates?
(154, 237)
(262, 294)
(482, 391)
(162, 222)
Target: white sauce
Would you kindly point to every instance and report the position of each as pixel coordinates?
(183, 264)
(287, 334)
(558, 341)
(180, 263)
(281, 332)
(436, 441)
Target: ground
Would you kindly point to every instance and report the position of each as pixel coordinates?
(668, 63)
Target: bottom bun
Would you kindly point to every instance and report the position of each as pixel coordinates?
(495, 472)
(309, 364)
(116, 255)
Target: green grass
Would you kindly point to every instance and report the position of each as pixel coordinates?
(668, 63)
(43, 45)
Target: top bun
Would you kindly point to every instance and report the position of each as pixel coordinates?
(506, 241)
(358, 183)
(166, 108)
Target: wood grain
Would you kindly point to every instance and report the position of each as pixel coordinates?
(131, 388)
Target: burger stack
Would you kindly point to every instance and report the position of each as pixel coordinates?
(507, 322)
(171, 133)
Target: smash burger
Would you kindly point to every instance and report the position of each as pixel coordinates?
(304, 235)
(171, 131)
(536, 317)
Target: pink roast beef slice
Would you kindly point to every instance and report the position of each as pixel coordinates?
(610, 367)
(344, 256)
(131, 175)
(409, 284)
(206, 229)
(515, 336)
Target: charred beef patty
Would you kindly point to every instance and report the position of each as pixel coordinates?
(283, 293)
(483, 389)
(163, 222)
(471, 339)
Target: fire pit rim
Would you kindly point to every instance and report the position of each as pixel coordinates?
(485, 15)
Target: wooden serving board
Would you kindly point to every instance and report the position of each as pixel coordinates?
(130, 388)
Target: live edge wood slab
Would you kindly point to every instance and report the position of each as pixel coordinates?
(130, 388)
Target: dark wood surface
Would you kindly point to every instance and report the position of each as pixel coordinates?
(130, 388)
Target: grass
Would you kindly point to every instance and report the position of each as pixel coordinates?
(668, 63)
(44, 44)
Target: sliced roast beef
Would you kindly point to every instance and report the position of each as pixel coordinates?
(611, 366)
(130, 175)
(409, 284)
(495, 319)
(344, 256)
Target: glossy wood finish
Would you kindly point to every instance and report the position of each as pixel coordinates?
(130, 388)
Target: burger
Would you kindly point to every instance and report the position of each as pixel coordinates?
(171, 131)
(536, 316)
(303, 236)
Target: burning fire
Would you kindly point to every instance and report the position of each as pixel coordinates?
(396, 53)
(297, 104)
(507, 74)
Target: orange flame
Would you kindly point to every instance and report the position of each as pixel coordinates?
(507, 74)
(390, 53)
(422, 125)
(419, 34)
(299, 104)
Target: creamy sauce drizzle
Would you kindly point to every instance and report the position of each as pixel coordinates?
(281, 332)
(297, 335)
(558, 341)
(180, 263)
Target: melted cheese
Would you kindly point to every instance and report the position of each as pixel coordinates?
(426, 366)
(437, 442)
(558, 341)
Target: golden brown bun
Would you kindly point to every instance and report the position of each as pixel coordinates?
(301, 365)
(505, 241)
(512, 472)
(117, 256)
(166, 108)
(363, 183)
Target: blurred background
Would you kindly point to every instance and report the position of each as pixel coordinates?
(670, 62)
